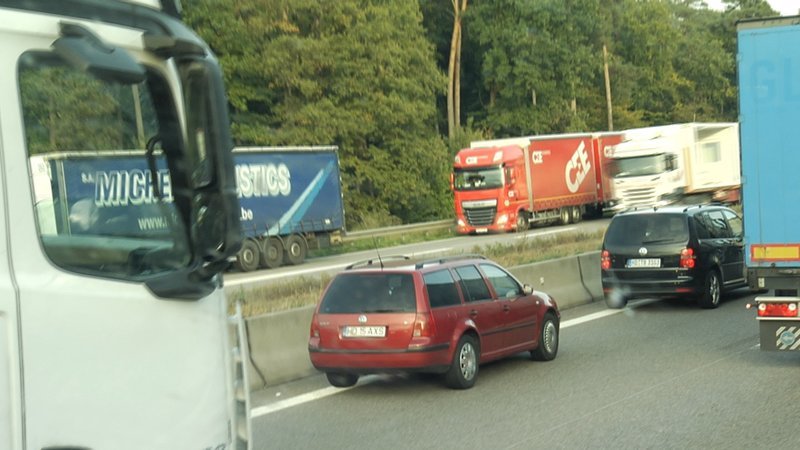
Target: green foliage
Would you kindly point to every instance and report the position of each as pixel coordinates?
(369, 76)
(68, 110)
(359, 74)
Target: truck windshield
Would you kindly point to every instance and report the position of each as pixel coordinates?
(639, 166)
(98, 210)
(478, 178)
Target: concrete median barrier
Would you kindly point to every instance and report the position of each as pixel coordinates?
(279, 341)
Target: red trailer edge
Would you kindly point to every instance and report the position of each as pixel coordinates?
(520, 181)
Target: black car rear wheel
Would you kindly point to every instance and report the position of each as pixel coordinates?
(615, 301)
(341, 380)
(712, 291)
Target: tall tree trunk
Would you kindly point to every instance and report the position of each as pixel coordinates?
(454, 70)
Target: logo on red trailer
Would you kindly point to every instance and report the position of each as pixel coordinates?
(577, 168)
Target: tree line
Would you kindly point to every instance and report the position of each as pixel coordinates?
(400, 85)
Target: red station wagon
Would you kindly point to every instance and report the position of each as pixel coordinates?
(442, 316)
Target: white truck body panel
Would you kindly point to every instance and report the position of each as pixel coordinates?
(85, 361)
(705, 159)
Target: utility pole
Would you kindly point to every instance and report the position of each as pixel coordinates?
(608, 89)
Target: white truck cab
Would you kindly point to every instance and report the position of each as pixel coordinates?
(661, 165)
(114, 335)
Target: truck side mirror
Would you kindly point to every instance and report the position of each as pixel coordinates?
(452, 181)
(208, 167)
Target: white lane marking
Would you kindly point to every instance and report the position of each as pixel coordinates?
(589, 317)
(328, 391)
(308, 397)
(299, 400)
(545, 233)
(265, 277)
(604, 313)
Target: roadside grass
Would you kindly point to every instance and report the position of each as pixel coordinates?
(304, 291)
(369, 243)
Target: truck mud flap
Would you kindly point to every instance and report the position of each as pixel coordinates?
(779, 335)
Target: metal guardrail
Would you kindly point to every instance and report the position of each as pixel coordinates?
(399, 229)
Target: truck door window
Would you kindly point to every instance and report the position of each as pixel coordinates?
(94, 197)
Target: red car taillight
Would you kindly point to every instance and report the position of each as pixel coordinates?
(423, 326)
(777, 310)
(313, 338)
(605, 260)
(424, 330)
(687, 258)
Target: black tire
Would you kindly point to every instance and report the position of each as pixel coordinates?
(248, 257)
(564, 216)
(575, 214)
(342, 380)
(296, 250)
(271, 252)
(712, 291)
(464, 368)
(615, 301)
(548, 339)
(522, 222)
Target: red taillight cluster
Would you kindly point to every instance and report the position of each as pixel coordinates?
(423, 326)
(777, 310)
(424, 331)
(605, 260)
(687, 258)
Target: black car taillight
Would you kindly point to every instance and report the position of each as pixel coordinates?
(605, 260)
(687, 258)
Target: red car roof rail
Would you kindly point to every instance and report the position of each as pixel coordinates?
(445, 259)
(379, 260)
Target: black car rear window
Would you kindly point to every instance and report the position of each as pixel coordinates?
(638, 229)
(370, 293)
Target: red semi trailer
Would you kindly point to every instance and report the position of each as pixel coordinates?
(508, 184)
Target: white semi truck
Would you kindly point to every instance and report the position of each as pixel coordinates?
(113, 337)
(689, 162)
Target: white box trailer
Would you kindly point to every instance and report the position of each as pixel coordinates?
(690, 162)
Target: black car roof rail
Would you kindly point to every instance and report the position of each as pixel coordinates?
(445, 259)
(377, 260)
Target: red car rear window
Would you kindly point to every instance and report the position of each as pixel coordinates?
(370, 293)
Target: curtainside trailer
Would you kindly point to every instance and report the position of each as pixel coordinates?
(769, 111)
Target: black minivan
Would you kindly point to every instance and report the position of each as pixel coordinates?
(694, 251)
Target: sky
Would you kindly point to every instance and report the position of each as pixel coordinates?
(785, 7)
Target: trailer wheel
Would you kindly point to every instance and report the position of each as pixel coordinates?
(575, 214)
(296, 249)
(564, 216)
(271, 252)
(248, 257)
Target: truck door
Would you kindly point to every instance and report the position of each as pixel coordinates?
(9, 348)
(104, 362)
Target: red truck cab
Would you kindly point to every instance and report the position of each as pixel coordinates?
(489, 189)
(508, 184)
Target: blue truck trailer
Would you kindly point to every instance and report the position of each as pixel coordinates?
(290, 199)
(769, 114)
